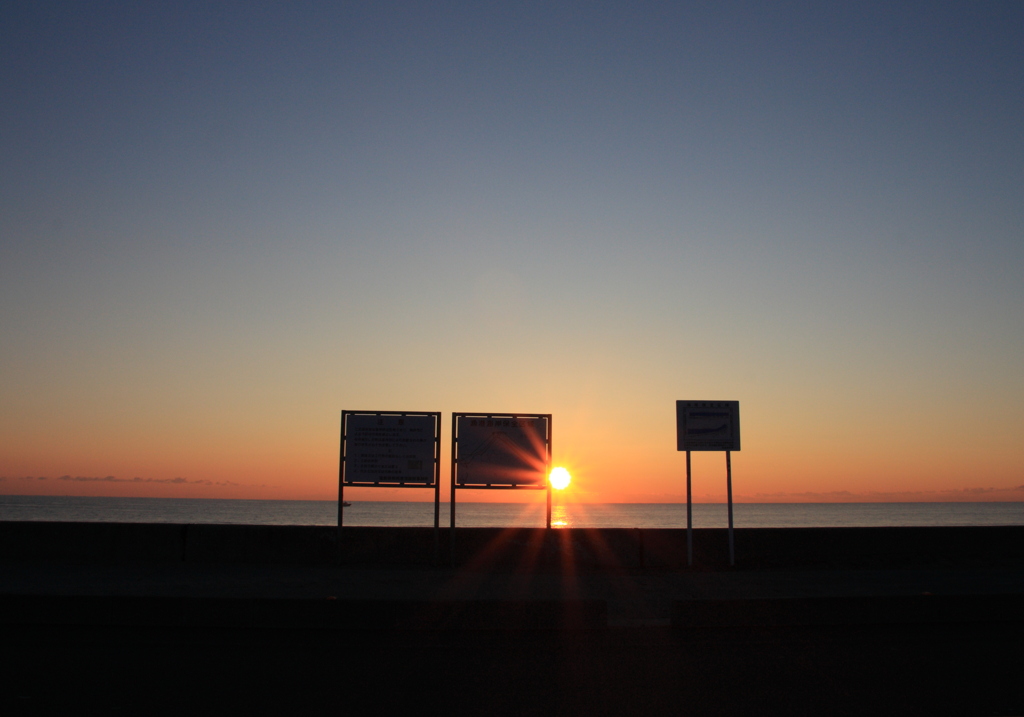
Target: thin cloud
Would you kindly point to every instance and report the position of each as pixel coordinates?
(173, 481)
(139, 480)
(901, 494)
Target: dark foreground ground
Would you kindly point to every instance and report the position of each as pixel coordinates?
(109, 635)
(863, 670)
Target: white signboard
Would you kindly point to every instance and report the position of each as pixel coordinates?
(390, 449)
(707, 425)
(502, 450)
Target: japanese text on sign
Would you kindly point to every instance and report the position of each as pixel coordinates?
(390, 449)
(502, 451)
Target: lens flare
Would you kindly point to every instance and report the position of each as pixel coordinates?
(559, 478)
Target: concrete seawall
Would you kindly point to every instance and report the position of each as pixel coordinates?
(513, 548)
(197, 619)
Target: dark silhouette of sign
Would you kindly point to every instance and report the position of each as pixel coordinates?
(501, 451)
(708, 426)
(390, 449)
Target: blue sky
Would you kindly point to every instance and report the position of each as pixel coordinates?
(222, 223)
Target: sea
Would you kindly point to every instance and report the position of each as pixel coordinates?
(575, 515)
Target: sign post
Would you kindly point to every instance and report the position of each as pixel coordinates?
(390, 449)
(689, 513)
(708, 426)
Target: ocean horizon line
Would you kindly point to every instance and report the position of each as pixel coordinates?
(746, 500)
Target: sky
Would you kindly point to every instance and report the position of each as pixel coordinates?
(221, 224)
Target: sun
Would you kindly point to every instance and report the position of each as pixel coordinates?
(559, 478)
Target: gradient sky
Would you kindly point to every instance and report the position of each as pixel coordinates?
(223, 223)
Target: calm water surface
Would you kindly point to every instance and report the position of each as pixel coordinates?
(614, 515)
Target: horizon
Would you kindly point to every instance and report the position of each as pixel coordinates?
(951, 497)
(220, 227)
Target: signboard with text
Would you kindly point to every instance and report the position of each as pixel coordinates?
(502, 450)
(707, 425)
(390, 448)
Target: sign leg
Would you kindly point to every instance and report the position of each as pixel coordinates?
(341, 490)
(689, 513)
(341, 472)
(437, 512)
(454, 460)
(341, 509)
(437, 489)
(451, 507)
(728, 485)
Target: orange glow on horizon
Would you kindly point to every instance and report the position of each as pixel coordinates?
(624, 460)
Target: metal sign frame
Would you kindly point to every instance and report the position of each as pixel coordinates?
(545, 483)
(707, 425)
(397, 483)
(715, 436)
